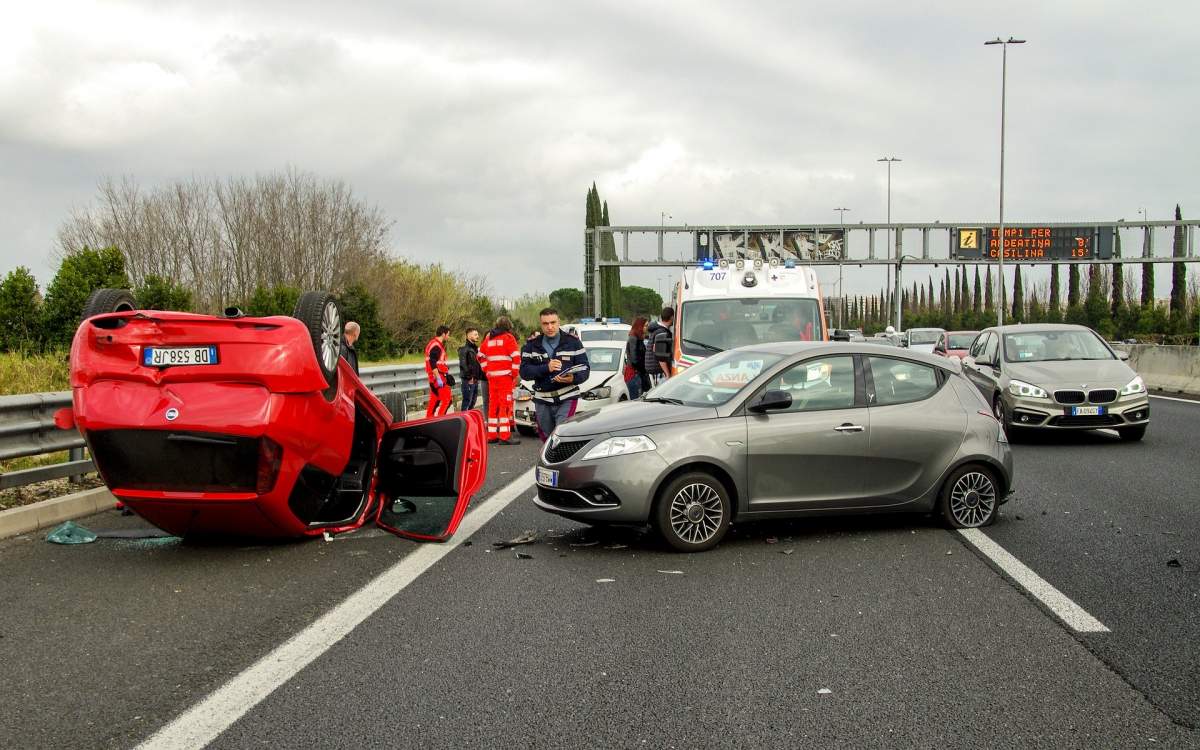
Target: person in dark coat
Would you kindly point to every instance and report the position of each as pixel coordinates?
(638, 381)
(349, 335)
(469, 369)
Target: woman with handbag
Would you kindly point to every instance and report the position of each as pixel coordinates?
(636, 379)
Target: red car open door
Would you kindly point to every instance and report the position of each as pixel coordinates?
(428, 472)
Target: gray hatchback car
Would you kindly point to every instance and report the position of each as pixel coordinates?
(778, 431)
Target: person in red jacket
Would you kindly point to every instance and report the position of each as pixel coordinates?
(500, 355)
(440, 379)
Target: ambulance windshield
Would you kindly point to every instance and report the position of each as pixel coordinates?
(714, 325)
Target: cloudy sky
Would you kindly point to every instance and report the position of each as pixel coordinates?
(478, 127)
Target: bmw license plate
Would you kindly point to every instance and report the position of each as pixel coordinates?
(547, 477)
(170, 356)
(1087, 411)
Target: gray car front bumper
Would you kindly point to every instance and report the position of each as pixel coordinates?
(617, 489)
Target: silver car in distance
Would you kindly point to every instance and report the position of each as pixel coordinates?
(780, 431)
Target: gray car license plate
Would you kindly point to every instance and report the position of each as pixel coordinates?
(547, 477)
(1087, 411)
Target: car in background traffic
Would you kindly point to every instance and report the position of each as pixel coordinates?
(954, 343)
(1057, 377)
(782, 430)
(853, 335)
(921, 339)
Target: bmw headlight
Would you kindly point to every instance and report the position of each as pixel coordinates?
(619, 446)
(603, 391)
(1028, 390)
(1137, 385)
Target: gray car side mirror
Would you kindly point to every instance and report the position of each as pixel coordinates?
(772, 401)
(1123, 356)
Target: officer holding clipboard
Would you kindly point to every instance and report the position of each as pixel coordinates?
(556, 362)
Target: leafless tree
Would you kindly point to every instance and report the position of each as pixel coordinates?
(222, 239)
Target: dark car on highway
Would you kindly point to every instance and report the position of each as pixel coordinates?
(783, 430)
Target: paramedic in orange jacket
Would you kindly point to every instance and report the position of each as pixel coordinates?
(500, 356)
(440, 379)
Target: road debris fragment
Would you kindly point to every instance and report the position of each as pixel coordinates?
(529, 536)
(672, 572)
(70, 532)
(606, 580)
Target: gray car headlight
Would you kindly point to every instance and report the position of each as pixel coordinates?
(620, 446)
(1028, 390)
(603, 391)
(1137, 385)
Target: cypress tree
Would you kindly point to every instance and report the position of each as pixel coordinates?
(965, 296)
(1117, 296)
(1147, 275)
(610, 276)
(1179, 277)
(1052, 308)
(947, 299)
(1018, 296)
(592, 215)
(989, 294)
(977, 302)
(956, 294)
(1072, 285)
(931, 302)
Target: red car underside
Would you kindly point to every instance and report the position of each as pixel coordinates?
(251, 445)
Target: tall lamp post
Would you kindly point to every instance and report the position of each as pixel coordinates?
(891, 250)
(841, 262)
(1003, 101)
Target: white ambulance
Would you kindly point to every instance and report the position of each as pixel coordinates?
(724, 304)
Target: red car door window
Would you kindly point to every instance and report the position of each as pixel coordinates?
(428, 472)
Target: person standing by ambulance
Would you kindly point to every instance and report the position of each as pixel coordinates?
(500, 356)
(556, 362)
(438, 372)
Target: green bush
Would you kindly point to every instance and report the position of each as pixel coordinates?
(18, 311)
(157, 293)
(80, 274)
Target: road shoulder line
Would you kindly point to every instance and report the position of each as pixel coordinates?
(1173, 398)
(1057, 602)
(205, 721)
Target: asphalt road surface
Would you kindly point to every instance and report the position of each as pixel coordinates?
(857, 632)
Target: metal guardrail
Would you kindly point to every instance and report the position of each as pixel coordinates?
(27, 422)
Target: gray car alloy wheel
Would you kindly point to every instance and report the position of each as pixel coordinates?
(696, 513)
(973, 499)
(331, 335)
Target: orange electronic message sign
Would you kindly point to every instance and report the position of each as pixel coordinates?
(1032, 243)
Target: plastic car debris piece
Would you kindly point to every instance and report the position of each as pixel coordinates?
(528, 536)
(606, 580)
(524, 556)
(672, 572)
(617, 546)
(584, 544)
(70, 532)
(824, 691)
(1174, 563)
(328, 537)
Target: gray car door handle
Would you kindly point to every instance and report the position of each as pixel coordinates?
(849, 428)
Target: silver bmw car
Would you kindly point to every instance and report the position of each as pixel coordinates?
(783, 430)
(1057, 377)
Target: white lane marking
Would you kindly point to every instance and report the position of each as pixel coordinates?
(1068, 611)
(1180, 400)
(203, 722)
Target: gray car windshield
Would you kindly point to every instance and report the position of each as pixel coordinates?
(715, 380)
(1054, 346)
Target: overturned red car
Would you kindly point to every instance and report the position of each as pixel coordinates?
(229, 424)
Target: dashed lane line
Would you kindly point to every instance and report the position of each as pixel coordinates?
(206, 720)
(1069, 612)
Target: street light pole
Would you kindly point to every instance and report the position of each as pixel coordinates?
(1003, 103)
(891, 250)
(841, 299)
